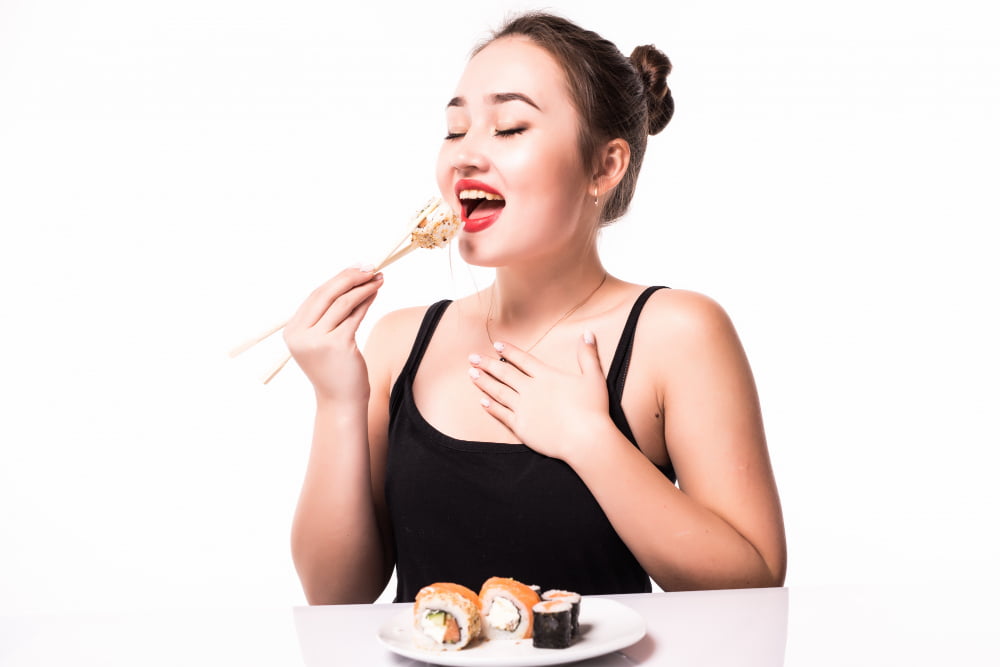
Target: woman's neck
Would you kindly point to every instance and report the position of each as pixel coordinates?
(524, 298)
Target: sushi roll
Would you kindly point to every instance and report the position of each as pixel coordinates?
(445, 617)
(553, 624)
(573, 599)
(506, 608)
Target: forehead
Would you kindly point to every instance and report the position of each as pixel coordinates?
(515, 64)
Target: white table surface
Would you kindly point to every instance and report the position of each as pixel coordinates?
(843, 626)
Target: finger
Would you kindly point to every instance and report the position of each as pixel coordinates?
(587, 356)
(501, 413)
(353, 321)
(496, 391)
(528, 364)
(503, 371)
(345, 304)
(319, 301)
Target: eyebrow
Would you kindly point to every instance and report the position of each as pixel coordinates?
(497, 98)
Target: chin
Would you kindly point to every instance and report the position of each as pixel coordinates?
(499, 251)
(474, 254)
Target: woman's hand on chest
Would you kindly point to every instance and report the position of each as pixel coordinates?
(550, 409)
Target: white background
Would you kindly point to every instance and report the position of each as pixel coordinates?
(175, 176)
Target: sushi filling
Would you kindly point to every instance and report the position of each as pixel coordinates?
(440, 626)
(503, 615)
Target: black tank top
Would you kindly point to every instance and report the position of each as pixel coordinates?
(464, 511)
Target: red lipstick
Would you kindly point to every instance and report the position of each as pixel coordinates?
(479, 223)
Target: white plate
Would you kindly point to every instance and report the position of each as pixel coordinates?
(605, 626)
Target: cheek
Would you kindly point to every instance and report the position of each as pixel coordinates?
(551, 174)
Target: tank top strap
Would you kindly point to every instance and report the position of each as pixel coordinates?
(427, 326)
(620, 363)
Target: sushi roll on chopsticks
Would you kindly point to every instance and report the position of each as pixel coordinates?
(433, 226)
(506, 608)
(445, 617)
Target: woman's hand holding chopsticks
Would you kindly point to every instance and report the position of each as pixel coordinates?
(321, 335)
(433, 226)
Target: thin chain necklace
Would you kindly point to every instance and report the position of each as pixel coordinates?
(489, 315)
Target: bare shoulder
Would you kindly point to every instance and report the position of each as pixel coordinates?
(390, 340)
(397, 323)
(683, 314)
(682, 330)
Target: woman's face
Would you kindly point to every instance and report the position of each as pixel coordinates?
(513, 137)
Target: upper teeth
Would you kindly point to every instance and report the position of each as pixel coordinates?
(478, 194)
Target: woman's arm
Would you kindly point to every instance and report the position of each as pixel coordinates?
(338, 542)
(337, 545)
(722, 527)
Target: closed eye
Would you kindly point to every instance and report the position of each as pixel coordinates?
(451, 136)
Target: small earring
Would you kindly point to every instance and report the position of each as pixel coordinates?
(595, 195)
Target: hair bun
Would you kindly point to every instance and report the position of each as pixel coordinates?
(653, 66)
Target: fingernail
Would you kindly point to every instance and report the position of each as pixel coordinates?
(475, 359)
(588, 337)
(498, 346)
(474, 373)
(366, 268)
(485, 402)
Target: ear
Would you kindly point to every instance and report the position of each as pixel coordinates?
(611, 163)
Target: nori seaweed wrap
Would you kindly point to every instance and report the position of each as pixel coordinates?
(573, 599)
(553, 624)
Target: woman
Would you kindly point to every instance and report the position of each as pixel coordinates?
(536, 429)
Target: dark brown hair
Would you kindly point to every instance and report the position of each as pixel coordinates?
(615, 97)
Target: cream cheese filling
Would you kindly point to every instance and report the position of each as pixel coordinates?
(503, 615)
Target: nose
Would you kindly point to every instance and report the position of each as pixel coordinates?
(468, 155)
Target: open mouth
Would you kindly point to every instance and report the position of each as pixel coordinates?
(479, 204)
